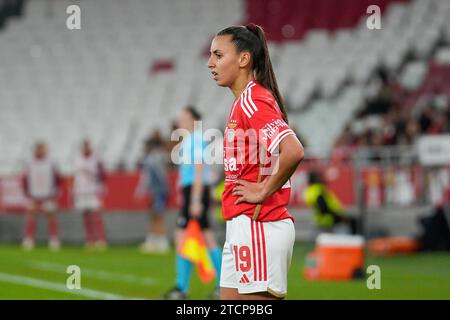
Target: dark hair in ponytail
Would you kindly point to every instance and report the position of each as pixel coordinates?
(251, 38)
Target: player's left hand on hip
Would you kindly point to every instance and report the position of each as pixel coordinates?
(251, 192)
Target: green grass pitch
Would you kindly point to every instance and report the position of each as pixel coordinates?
(124, 272)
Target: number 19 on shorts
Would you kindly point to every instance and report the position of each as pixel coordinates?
(242, 258)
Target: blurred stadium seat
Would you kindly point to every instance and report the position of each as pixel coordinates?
(60, 85)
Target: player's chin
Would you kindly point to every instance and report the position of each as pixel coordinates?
(222, 83)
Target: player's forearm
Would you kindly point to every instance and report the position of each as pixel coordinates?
(291, 154)
(197, 187)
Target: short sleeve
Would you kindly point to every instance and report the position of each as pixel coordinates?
(269, 124)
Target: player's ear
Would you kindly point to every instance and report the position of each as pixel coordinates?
(244, 59)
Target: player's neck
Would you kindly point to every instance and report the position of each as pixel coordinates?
(239, 85)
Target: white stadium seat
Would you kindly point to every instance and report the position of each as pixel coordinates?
(63, 85)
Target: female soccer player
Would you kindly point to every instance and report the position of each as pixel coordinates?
(195, 181)
(261, 153)
(88, 186)
(42, 182)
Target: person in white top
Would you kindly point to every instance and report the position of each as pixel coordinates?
(89, 178)
(41, 183)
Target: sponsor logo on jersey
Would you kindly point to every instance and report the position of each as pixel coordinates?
(230, 164)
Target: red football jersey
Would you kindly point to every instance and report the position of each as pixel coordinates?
(254, 130)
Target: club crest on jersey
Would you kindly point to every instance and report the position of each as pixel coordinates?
(232, 125)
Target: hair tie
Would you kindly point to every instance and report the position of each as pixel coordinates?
(252, 28)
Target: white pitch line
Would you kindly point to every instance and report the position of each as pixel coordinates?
(37, 283)
(103, 275)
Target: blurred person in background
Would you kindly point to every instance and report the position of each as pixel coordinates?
(154, 182)
(195, 181)
(440, 124)
(216, 196)
(329, 215)
(435, 224)
(383, 99)
(426, 119)
(41, 183)
(89, 179)
(412, 132)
